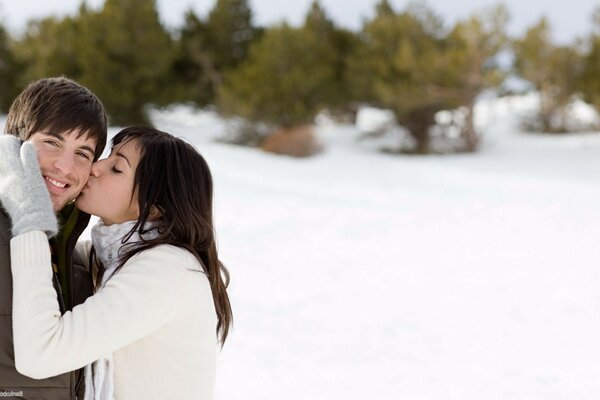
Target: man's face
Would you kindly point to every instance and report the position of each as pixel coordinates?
(65, 161)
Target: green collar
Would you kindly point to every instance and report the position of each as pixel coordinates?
(67, 219)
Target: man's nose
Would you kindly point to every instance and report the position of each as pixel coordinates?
(65, 164)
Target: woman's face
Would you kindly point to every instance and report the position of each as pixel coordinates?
(108, 193)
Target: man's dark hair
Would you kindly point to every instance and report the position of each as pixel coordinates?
(57, 105)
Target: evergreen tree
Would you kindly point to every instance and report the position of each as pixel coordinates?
(230, 32)
(552, 70)
(194, 69)
(399, 65)
(318, 22)
(208, 49)
(290, 73)
(336, 45)
(472, 47)
(282, 81)
(50, 48)
(383, 9)
(126, 56)
(589, 81)
(8, 71)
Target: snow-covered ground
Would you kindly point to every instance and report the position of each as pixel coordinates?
(360, 275)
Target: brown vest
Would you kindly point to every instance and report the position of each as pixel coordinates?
(68, 386)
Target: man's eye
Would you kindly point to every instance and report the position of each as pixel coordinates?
(84, 155)
(51, 142)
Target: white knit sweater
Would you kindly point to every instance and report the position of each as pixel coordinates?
(156, 316)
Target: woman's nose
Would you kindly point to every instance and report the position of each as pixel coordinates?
(97, 168)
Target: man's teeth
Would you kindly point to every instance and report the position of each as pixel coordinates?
(57, 184)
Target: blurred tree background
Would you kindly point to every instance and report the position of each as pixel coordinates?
(409, 61)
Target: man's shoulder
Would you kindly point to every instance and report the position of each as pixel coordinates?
(4, 227)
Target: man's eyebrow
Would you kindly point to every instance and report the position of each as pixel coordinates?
(87, 148)
(118, 154)
(55, 135)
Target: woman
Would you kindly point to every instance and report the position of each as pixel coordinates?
(150, 331)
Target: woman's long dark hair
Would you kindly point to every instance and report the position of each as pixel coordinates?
(175, 179)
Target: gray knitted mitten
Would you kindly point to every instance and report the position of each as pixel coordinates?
(23, 192)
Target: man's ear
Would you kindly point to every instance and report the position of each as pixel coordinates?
(154, 213)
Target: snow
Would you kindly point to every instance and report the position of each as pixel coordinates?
(370, 120)
(362, 275)
(359, 275)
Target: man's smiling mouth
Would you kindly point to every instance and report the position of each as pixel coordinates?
(56, 183)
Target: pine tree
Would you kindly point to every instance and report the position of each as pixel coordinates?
(126, 56)
(589, 81)
(230, 32)
(290, 73)
(336, 44)
(50, 47)
(282, 81)
(8, 71)
(553, 72)
(533, 53)
(399, 65)
(194, 69)
(209, 49)
(318, 22)
(472, 48)
(383, 9)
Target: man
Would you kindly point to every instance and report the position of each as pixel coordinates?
(67, 125)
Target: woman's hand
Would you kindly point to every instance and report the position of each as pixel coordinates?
(23, 192)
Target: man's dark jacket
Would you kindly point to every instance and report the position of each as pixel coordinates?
(68, 386)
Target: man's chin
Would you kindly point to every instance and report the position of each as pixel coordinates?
(60, 201)
(58, 207)
(58, 204)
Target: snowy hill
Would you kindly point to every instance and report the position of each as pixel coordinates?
(360, 275)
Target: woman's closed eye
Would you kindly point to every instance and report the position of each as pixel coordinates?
(116, 171)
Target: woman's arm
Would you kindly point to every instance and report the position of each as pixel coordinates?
(138, 300)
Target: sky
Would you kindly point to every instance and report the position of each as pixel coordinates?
(568, 19)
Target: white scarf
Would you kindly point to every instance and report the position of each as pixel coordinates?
(108, 244)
